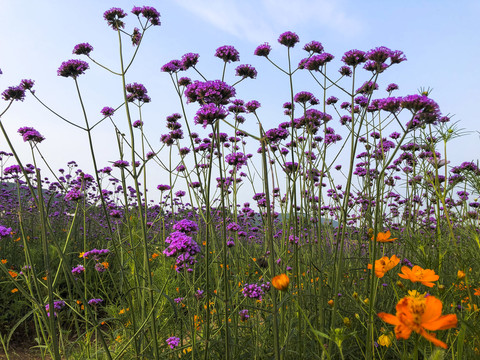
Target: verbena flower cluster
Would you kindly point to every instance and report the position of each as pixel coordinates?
(183, 247)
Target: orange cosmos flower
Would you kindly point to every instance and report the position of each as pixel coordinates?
(384, 237)
(477, 291)
(280, 282)
(417, 274)
(13, 274)
(419, 314)
(384, 264)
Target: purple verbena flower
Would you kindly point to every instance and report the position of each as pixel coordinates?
(82, 49)
(379, 54)
(313, 47)
(73, 195)
(236, 159)
(57, 306)
(208, 114)
(136, 37)
(95, 302)
(367, 88)
(199, 294)
(149, 13)
(253, 291)
(246, 71)
(345, 71)
(185, 226)
(72, 68)
(289, 39)
(216, 92)
(113, 17)
(4, 231)
(263, 50)
(95, 253)
(315, 62)
(14, 93)
(27, 84)
(180, 193)
(227, 53)
(137, 92)
(14, 169)
(189, 60)
(354, 57)
(172, 67)
(184, 81)
(397, 56)
(121, 163)
(78, 270)
(173, 342)
(392, 87)
(243, 314)
(30, 134)
(252, 106)
(107, 111)
(331, 100)
(304, 96)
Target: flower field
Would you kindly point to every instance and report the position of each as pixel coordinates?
(343, 232)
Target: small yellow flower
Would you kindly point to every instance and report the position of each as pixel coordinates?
(330, 302)
(416, 294)
(81, 254)
(4, 261)
(385, 339)
(460, 275)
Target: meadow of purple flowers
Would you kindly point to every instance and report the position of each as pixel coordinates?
(186, 270)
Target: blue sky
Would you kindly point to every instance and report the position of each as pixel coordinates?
(439, 38)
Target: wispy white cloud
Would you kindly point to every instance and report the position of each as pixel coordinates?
(258, 20)
(238, 18)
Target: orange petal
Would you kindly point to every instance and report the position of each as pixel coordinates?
(402, 331)
(442, 323)
(406, 272)
(433, 310)
(389, 318)
(433, 339)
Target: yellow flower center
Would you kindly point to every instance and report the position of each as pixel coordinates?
(417, 306)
